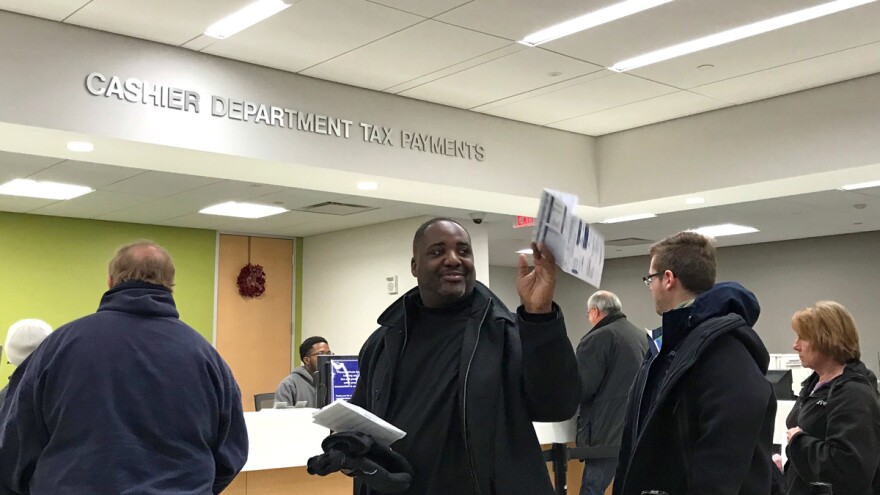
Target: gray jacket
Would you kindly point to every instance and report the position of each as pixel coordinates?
(297, 386)
(609, 357)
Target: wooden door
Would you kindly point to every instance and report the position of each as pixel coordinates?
(254, 334)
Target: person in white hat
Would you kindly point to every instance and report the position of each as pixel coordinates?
(23, 337)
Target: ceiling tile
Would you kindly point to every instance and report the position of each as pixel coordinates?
(514, 19)
(18, 204)
(523, 71)
(55, 10)
(818, 37)
(311, 32)
(504, 51)
(160, 184)
(594, 94)
(667, 25)
(272, 223)
(18, 166)
(167, 21)
(425, 8)
(641, 113)
(198, 221)
(797, 76)
(93, 175)
(404, 55)
(93, 204)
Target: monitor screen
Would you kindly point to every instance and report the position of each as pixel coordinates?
(337, 376)
(782, 384)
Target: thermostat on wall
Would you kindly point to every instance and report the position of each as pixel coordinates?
(391, 282)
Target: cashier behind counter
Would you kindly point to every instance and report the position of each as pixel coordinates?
(299, 385)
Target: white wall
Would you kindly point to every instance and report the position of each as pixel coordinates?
(785, 276)
(829, 128)
(344, 278)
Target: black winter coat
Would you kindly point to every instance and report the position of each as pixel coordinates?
(840, 442)
(609, 356)
(709, 427)
(513, 372)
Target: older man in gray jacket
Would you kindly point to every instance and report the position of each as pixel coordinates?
(609, 356)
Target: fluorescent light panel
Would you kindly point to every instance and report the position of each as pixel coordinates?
(738, 33)
(861, 185)
(695, 201)
(525, 251)
(45, 190)
(725, 229)
(242, 210)
(630, 218)
(367, 186)
(245, 18)
(591, 20)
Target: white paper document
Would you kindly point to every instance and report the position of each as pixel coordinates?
(342, 416)
(578, 249)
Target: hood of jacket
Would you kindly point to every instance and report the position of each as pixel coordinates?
(405, 306)
(140, 298)
(853, 371)
(723, 299)
(303, 373)
(729, 301)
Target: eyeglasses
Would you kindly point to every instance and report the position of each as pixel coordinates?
(647, 279)
(320, 353)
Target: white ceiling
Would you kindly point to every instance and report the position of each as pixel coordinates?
(464, 53)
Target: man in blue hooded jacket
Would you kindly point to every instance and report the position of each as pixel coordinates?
(129, 400)
(700, 415)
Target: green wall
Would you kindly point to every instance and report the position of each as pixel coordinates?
(55, 269)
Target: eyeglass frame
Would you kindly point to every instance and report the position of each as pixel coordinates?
(647, 279)
(320, 353)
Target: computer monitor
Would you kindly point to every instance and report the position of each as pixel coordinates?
(782, 384)
(336, 378)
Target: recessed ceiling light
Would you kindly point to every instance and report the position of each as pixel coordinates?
(524, 251)
(724, 229)
(630, 218)
(736, 34)
(861, 185)
(242, 210)
(45, 190)
(245, 18)
(593, 19)
(367, 186)
(80, 146)
(695, 201)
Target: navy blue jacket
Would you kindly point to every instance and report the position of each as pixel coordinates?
(129, 400)
(700, 415)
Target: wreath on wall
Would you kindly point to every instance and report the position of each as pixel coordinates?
(251, 278)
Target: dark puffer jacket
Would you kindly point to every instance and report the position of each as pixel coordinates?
(840, 442)
(700, 418)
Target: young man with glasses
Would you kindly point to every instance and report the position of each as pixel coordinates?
(299, 385)
(700, 414)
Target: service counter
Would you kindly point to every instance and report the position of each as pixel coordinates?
(282, 441)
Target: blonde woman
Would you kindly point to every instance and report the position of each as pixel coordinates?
(834, 428)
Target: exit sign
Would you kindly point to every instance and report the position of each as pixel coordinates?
(523, 222)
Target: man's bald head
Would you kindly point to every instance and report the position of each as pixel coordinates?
(142, 261)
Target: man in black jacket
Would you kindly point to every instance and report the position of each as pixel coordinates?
(700, 415)
(464, 377)
(609, 356)
(127, 400)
